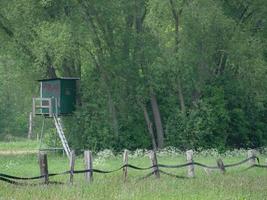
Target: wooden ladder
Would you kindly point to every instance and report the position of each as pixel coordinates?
(62, 135)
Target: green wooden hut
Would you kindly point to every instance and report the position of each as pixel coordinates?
(62, 92)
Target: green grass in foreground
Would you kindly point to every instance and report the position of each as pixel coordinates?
(235, 185)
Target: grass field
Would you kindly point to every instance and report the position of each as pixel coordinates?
(235, 184)
(21, 145)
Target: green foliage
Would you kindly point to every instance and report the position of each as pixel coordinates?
(204, 126)
(15, 90)
(204, 62)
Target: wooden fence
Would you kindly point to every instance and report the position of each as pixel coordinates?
(157, 169)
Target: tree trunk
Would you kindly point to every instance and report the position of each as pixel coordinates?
(50, 70)
(176, 16)
(113, 116)
(139, 57)
(98, 40)
(181, 96)
(157, 119)
(150, 128)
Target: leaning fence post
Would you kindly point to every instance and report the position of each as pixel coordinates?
(125, 163)
(221, 165)
(190, 168)
(43, 166)
(252, 156)
(88, 160)
(72, 163)
(154, 161)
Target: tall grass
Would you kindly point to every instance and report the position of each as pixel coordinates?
(19, 145)
(235, 184)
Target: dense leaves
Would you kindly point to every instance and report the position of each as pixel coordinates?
(154, 73)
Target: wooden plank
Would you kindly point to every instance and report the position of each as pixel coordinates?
(43, 166)
(72, 163)
(88, 161)
(154, 162)
(30, 126)
(41, 99)
(56, 106)
(190, 168)
(50, 107)
(33, 106)
(39, 107)
(125, 162)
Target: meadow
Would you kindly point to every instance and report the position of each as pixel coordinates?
(236, 184)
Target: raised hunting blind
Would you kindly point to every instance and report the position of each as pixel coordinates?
(57, 98)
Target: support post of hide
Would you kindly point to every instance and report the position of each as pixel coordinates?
(190, 168)
(154, 162)
(88, 160)
(30, 126)
(125, 163)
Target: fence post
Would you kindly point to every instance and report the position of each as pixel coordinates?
(221, 165)
(72, 163)
(43, 166)
(252, 155)
(190, 168)
(125, 162)
(88, 160)
(154, 161)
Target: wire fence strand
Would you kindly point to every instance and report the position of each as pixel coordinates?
(13, 179)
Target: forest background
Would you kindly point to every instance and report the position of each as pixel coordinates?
(154, 73)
